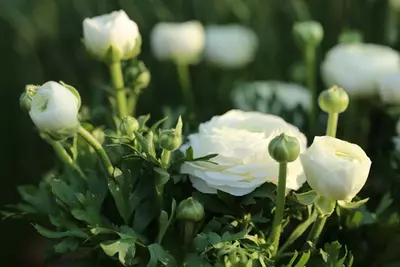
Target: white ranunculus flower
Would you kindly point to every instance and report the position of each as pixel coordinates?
(243, 163)
(334, 168)
(54, 110)
(389, 89)
(230, 46)
(114, 30)
(358, 67)
(179, 42)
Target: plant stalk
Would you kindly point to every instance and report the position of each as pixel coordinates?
(117, 80)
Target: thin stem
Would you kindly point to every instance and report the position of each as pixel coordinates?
(332, 124)
(165, 156)
(309, 56)
(280, 207)
(316, 230)
(105, 160)
(299, 231)
(63, 155)
(189, 233)
(132, 103)
(117, 79)
(186, 87)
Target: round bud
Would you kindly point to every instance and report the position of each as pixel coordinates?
(333, 100)
(190, 210)
(25, 102)
(170, 140)
(284, 148)
(308, 33)
(143, 79)
(128, 126)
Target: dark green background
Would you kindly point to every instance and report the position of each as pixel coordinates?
(40, 41)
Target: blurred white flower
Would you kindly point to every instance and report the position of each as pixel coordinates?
(334, 168)
(114, 30)
(389, 89)
(54, 110)
(179, 42)
(274, 97)
(357, 68)
(230, 46)
(243, 163)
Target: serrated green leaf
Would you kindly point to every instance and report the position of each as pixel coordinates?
(201, 242)
(306, 198)
(52, 234)
(213, 238)
(158, 254)
(352, 205)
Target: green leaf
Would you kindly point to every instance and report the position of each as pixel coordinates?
(52, 234)
(325, 206)
(195, 260)
(293, 259)
(352, 205)
(142, 120)
(125, 248)
(306, 198)
(144, 214)
(162, 176)
(142, 141)
(164, 221)
(154, 127)
(189, 154)
(67, 245)
(158, 254)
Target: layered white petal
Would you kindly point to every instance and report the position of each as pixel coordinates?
(243, 163)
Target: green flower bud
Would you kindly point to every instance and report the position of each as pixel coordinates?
(284, 148)
(308, 33)
(170, 140)
(128, 126)
(25, 102)
(333, 100)
(190, 210)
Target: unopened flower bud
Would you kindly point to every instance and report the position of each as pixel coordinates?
(170, 140)
(128, 126)
(190, 209)
(284, 148)
(308, 33)
(333, 100)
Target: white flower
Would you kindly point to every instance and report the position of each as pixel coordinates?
(334, 168)
(179, 42)
(258, 94)
(114, 30)
(389, 89)
(357, 68)
(54, 110)
(230, 46)
(243, 163)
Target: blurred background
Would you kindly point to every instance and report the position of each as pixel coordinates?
(40, 40)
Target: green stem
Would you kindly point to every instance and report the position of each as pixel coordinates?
(316, 230)
(105, 160)
(309, 56)
(63, 155)
(132, 103)
(117, 79)
(186, 87)
(165, 156)
(280, 207)
(189, 233)
(332, 124)
(299, 231)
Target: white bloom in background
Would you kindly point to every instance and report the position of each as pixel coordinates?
(358, 67)
(230, 46)
(114, 30)
(334, 168)
(396, 139)
(179, 42)
(54, 110)
(243, 163)
(389, 89)
(257, 95)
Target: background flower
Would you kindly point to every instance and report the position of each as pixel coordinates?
(230, 46)
(183, 42)
(288, 100)
(243, 163)
(357, 68)
(114, 30)
(334, 168)
(389, 89)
